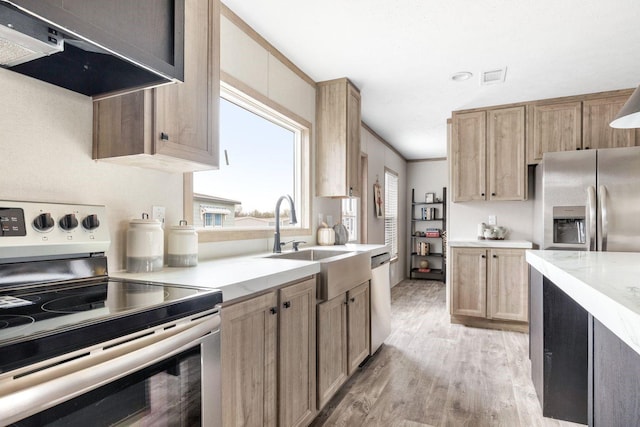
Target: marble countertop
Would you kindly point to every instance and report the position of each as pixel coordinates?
(606, 284)
(239, 277)
(515, 244)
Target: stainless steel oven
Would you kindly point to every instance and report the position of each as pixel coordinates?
(79, 348)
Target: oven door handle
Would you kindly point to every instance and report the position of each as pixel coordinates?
(34, 393)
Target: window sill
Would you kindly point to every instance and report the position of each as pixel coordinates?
(221, 235)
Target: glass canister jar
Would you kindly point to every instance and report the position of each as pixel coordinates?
(145, 245)
(183, 246)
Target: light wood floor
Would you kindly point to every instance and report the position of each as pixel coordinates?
(430, 372)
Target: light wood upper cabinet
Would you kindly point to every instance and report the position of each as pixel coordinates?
(596, 132)
(508, 291)
(338, 139)
(249, 364)
(488, 155)
(173, 127)
(506, 163)
(469, 282)
(553, 127)
(468, 155)
(269, 358)
(297, 354)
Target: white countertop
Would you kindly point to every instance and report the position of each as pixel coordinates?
(515, 244)
(606, 284)
(239, 277)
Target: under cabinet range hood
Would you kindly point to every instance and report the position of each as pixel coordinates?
(84, 57)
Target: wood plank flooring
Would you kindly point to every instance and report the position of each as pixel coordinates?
(431, 373)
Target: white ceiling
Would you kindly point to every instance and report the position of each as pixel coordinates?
(401, 54)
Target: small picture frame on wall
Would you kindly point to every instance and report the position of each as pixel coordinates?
(430, 197)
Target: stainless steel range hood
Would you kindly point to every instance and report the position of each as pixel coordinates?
(41, 48)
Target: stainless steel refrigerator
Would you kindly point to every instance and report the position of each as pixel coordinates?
(590, 200)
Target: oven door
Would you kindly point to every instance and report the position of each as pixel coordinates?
(169, 376)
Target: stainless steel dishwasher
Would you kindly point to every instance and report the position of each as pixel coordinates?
(380, 300)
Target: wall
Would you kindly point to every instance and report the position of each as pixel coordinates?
(46, 146)
(379, 156)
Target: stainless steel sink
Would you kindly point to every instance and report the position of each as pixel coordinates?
(339, 270)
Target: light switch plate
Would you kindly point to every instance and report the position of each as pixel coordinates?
(493, 220)
(157, 212)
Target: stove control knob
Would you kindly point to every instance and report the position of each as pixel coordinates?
(43, 222)
(68, 222)
(91, 222)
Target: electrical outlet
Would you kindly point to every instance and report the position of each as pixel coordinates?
(157, 212)
(493, 220)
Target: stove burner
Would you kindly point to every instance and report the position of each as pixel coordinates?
(16, 322)
(74, 304)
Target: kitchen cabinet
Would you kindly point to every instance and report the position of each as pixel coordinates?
(489, 283)
(173, 127)
(343, 339)
(149, 32)
(553, 127)
(488, 155)
(338, 139)
(596, 132)
(269, 358)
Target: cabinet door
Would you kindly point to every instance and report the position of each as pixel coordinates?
(332, 347)
(469, 282)
(508, 285)
(596, 132)
(297, 354)
(358, 334)
(248, 359)
(186, 115)
(353, 141)
(506, 167)
(468, 154)
(553, 127)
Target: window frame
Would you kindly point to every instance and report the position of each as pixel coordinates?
(257, 103)
(395, 252)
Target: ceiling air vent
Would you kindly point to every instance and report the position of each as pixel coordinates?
(493, 76)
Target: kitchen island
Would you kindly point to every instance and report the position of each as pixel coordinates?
(585, 335)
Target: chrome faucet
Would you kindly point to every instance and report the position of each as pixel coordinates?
(292, 220)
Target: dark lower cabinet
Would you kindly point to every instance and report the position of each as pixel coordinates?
(559, 341)
(616, 380)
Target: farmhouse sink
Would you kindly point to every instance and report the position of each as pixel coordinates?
(339, 270)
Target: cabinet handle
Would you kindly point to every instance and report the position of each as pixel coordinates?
(578, 148)
(286, 304)
(495, 256)
(346, 302)
(482, 194)
(586, 148)
(493, 194)
(164, 136)
(353, 299)
(273, 310)
(483, 256)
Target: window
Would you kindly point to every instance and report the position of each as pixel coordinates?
(391, 211)
(263, 154)
(350, 217)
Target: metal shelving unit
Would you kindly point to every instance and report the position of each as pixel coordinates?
(419, 221)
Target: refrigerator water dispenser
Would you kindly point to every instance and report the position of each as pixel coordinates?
(569, 224)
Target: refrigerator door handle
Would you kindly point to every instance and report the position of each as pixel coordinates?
(591, 204)
(602, 200)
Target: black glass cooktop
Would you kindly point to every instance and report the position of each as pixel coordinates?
(39, 322)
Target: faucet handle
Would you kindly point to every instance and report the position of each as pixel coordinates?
(296, 243)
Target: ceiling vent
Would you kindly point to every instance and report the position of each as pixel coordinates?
(493, 76)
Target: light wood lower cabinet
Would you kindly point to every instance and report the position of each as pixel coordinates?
(343, 339)
(489, 283)
(268, 358)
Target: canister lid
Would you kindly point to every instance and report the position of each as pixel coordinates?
(183, 226)
(145, 220)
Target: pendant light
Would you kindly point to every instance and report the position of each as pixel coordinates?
(629, 115)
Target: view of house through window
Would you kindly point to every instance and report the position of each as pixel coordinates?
(350, 217)
(391, 211)
(260, 160)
